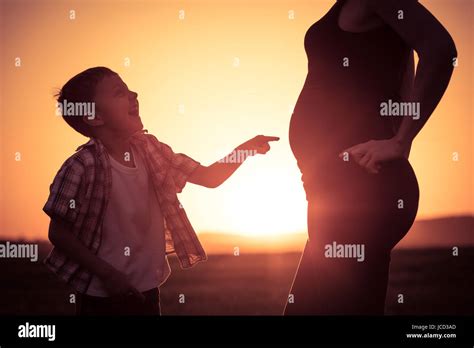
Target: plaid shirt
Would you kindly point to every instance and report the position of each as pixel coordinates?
(80, 192)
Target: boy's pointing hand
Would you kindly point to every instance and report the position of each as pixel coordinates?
(259, 144)
(214, 175)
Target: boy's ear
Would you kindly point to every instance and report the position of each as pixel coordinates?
(96, 120)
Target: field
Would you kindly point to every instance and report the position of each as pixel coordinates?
(433, 283)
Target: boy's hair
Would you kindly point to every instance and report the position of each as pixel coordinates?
(80, 89)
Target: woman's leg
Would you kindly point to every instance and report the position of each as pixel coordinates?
(326, 285)
(303, 293)
(351, 207)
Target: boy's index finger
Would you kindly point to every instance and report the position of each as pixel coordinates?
(268, 138)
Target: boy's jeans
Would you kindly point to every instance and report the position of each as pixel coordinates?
(119, 305)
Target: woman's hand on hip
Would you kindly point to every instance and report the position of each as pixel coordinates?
(371, 154)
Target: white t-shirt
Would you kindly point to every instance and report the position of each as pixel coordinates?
(133, 239)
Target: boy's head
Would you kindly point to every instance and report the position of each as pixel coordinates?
(96, 100)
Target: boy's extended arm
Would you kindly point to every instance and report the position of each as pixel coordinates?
(115, 282)
(215, 174)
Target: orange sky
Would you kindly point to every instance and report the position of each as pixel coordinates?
(236, 66)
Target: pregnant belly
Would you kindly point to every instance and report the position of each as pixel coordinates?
(328, 125)
(317, 135)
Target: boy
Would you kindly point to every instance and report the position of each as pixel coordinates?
(113, 205)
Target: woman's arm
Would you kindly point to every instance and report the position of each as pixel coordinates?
(437, 53)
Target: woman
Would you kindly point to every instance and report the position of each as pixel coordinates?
(351, 132)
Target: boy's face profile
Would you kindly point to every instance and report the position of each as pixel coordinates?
(116, 106)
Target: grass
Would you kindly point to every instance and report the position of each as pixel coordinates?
(431, 280)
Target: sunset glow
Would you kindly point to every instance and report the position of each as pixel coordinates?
(207, 79)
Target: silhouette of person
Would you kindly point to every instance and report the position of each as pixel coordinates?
(351, 132)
